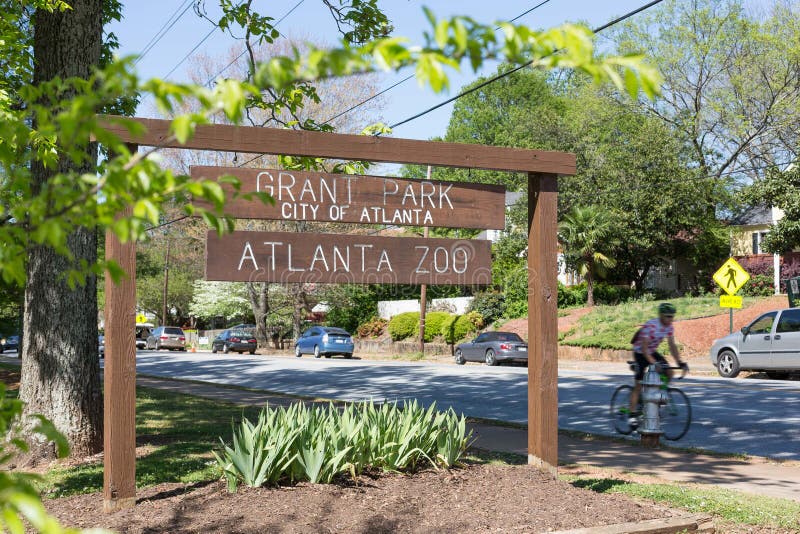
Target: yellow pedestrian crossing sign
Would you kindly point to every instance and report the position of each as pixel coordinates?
(140, 318)
(731, 276)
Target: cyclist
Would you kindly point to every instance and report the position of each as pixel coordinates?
(645, 343)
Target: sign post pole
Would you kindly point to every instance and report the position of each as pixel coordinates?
(542, 322)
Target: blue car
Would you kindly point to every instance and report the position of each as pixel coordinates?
(324, 340)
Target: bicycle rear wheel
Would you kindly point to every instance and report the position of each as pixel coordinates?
(621, 410)
(675, 415)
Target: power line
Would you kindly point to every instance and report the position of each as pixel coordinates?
(509, 72)
(165, 28)
(404, 80)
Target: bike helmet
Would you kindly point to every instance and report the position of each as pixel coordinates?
(666, 308)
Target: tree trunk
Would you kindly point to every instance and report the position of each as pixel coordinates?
(60, 369)
(259, 301)
(590, 286)
(300, 309)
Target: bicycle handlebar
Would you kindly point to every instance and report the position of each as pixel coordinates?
(683, 374)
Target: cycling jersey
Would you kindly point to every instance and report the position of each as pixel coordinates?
(655, 332)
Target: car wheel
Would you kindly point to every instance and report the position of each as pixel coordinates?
(158, 345)
(297, 351)
(225, 348)
(728, 364)
(348, 356)
(778, 375)
(490, 359)
(213, 349)
(253, 351)
(316, 351)
(460, 358)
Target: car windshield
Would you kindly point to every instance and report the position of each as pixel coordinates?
(173, 331)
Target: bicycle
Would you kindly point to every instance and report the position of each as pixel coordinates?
(675, 414)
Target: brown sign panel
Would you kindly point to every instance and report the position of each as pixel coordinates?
(314, 196)
(287, 257)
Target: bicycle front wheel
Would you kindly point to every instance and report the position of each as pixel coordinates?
(621, 410)
(675, 415)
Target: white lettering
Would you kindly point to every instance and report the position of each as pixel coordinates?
(428, 219)
(345, 262)
(307, 188)
(409, 193)
(334, 212)
(443, 195)
(429, 195)
(247, 254)
(286, 210)
(323, 186)
(384, 259)
(288, 188)
(422, 259)
(386, 191)
(290, 261)
(464, 253)
(362, 247)
(318, 256)
(364, 215)
(272, 251)
(436, 260)
(267, 188)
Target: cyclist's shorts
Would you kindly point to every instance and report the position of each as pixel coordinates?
(642, 363)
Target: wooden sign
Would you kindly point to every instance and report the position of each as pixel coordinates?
(314, 196)
(288, 257)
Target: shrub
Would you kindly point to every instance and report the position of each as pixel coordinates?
(611, 294)
(375, 327)
(490, 304)
(448, 330)
(403, 325)
(318, 443)
(760, 285)
(571, 296)
(466, 324)
(516, 309)
(433, 324)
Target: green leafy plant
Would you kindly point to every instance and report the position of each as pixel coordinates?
(403, 325)
(433, 324)
(19, 501)
(319, 443)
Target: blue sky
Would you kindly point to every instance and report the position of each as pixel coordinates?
(143, 18)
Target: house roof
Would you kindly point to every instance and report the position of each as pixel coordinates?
(752, 216)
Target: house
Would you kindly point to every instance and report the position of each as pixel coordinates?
(748, 230)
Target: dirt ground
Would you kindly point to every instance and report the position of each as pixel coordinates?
(478, 498)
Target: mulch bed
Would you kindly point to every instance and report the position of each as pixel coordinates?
(478, 498)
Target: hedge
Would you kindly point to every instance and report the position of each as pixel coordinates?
(403, 325)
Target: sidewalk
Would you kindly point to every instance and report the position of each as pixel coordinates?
(756, 476)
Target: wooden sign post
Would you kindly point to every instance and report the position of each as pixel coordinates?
(356, 258)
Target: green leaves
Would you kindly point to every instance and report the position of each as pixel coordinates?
(319, 443)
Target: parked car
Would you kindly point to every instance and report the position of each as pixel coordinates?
(9, 343)
(234, 341)
(771, 344)
(143, 330)
(167, 337)
(492, 348)
(324, 340)
(101, 345)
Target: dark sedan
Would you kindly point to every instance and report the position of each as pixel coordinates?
(9, 343)
(492, 348)
(234, 341)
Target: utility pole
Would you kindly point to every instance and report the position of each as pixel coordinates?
(423, 295)
(166, 287)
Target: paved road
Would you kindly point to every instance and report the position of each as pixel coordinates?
(756, 417)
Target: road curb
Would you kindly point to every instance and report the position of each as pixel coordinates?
(690, 523)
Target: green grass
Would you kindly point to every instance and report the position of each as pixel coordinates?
(733, 506)
(178, 432)
(611, 327)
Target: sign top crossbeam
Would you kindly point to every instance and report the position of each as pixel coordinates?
(254, 140)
